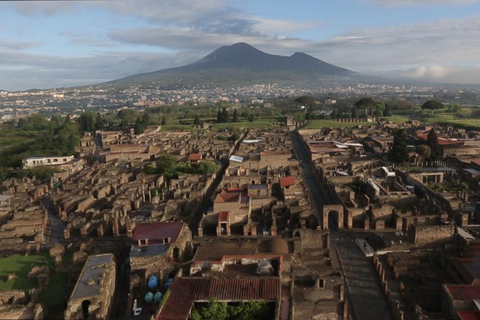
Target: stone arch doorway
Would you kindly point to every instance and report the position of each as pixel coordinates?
(333, 217)
(312, 222)
(85, 309)
(176, 254)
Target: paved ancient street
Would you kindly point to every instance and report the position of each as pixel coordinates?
(364, 289)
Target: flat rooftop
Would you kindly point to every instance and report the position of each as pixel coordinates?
(88, 284)
(215, 251)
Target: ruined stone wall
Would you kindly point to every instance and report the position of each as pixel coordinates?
(427, 234)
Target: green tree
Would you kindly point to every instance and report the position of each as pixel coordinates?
(224, 117)
(424, 152)
(251, 117)
(219, 116)
(354, 112)
(399, 152)
(213, 311)
(235, 116)
(333, 114)
(435, 149)
(367, 104)
(128, 115)
(454, 107)
(379, 108)
(307, 101)
(298, 118)
(196, 120)
(387, 112)
(432, 105)
(3, 174)
(206, 167)
(139, 127)
(166, 163)
(87, 121)
(164, 121)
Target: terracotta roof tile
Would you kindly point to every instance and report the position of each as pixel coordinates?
(287, 182)
(158, 231)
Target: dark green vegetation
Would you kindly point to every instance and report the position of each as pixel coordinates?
(399, 152)
(171, 168)
(21, 265)
(36, 136)
(242, 311)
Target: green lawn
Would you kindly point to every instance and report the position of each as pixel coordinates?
(21, 266)
(247, 125)
(260, 123)
(319, 124)
(395, 119)
(473, 123)
(56, 291)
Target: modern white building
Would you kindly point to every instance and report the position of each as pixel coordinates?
(32, 162)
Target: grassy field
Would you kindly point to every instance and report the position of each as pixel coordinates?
(395, 119)
(260, 123)
(56, 291)
(319, 124)
(21, 266)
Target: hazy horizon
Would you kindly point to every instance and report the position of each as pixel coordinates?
(70, 43)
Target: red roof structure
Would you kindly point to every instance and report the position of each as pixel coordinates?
(224, 196)
(468, 315)
(194, 157)
(442, 141)
(223, 216)
(469, 265)
(463, 292)
(186, 290)
(158, 231)
(287, 182)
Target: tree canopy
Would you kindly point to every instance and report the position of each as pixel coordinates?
(435, 149)
(244, 311)
(306, 101)
(399, 152)
(432, 105)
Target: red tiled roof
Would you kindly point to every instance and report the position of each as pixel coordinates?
(469, 315)
(476, 161)
(184, 291)
(442, 141)
(223, 216)
(463, 292)
(287, 182)
(227, 197)
(194, 157)
(232, 289)
(469, 266)
(178, 305)
(158, 231)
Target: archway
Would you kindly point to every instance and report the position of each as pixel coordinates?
(85, 306)
(176, 253)
(333, 217)
(312, 222)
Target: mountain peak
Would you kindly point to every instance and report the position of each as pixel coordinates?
(242, 58)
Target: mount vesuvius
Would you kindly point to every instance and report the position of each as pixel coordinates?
(242, 62)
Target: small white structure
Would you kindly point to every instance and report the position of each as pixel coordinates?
(264, 268)
(32, 162)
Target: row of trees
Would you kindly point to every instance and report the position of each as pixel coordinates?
(223, 116)
(430, 151)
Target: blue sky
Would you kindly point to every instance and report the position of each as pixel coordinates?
(45, 44)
